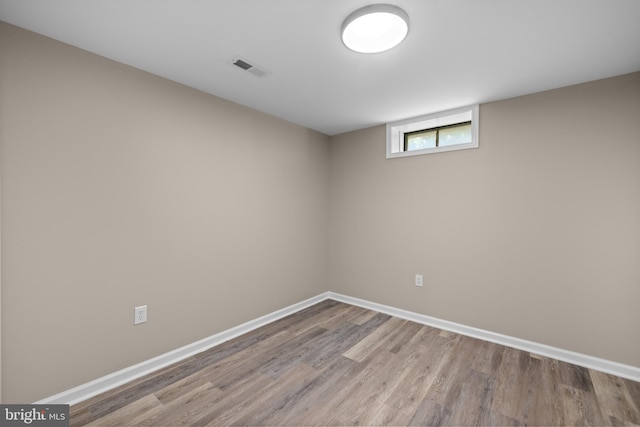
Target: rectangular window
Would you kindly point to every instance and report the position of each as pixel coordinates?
(434, 133)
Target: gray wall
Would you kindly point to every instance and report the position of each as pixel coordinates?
(120, 188)
(535, 234)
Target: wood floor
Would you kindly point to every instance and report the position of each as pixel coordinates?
(333, 364)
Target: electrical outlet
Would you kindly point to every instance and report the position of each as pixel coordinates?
(419, 280)
(139, 314)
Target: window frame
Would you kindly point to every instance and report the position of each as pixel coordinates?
(396, 131)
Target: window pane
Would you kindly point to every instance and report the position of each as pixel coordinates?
(421, 140)
(434, 133)
(455, 135)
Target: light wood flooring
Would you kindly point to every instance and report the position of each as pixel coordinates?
(334, 364)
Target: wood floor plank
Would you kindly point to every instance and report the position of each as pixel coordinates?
(341, 317)
(488, 358)
(374, 340)
(430, 413)
(333, 344)
(473, 403)
(446, 388)
(310, 399)
(130, 414)
(364, 389)
(183, 409)
(385, 415)
(634, 391)
(269, 402)
(430, 353)
(182, 388)
(496, 419)
(294, 372)
(342, 339)
(319, 407)
(401, 338)
(236, 397)
(575, 376)
(363, 317)
(225, 373)
(546, 397)
(291, 353)
(390, 377)
(615, 398)
(511, 388)
(581, 408)
(313, 319)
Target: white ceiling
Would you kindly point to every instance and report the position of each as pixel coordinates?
(457, 53)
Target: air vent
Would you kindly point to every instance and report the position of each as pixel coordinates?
(250, 67)
(244, 65)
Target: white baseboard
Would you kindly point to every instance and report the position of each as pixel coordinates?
(108, 382)
(590, 362)
(100, 385)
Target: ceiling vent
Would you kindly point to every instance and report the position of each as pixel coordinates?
(250, 67)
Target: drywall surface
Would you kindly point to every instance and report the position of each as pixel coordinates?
(535, 234)
(120, 188)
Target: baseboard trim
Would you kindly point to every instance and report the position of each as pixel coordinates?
(123, 376)
(590, 362)
(108, 382)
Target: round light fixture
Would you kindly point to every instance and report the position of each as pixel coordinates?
(375, 28)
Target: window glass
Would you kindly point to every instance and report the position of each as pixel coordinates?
(455, 135)
(420, 140)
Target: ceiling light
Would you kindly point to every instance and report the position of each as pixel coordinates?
(375, 28)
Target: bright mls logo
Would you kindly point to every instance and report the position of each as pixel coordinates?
(34, 415)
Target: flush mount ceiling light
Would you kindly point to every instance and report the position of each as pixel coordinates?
(375, 28)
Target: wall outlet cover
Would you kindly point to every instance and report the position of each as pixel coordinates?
(139, 314)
